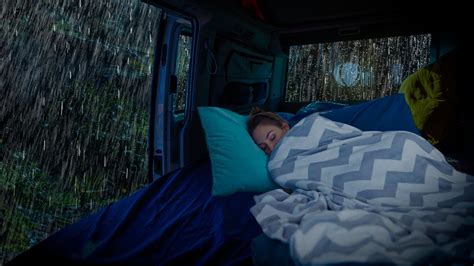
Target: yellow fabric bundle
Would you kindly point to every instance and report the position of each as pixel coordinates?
(431, 94)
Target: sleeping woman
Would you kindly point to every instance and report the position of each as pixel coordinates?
(372, 197)
(266, 129)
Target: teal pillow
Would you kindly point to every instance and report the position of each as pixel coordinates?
(238, 164)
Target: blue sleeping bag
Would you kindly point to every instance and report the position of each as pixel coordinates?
(173, 221)
(382, 114)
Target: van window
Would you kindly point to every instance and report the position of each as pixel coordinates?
(358, 70)
(75, 80)
(182, 71)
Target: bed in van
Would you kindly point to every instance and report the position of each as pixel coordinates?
(295, 58)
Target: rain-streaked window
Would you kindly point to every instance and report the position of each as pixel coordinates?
(74, 98)
(182, 70)
(353, 71)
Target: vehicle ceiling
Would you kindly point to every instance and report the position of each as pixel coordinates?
(291, 16)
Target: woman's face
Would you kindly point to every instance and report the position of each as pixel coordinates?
(267, 135)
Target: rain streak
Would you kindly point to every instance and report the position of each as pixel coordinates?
(74, 90)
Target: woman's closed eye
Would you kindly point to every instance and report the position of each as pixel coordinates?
(272, 137)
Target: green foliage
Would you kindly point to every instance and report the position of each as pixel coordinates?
(182, 71)
(15, 227)
(75, 101)
(34, 205)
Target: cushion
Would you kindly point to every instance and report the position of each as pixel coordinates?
(238, 164)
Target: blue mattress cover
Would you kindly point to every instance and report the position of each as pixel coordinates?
(172, 221)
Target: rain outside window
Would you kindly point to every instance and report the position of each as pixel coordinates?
(353, 71)
(74, 98)
(182, 71)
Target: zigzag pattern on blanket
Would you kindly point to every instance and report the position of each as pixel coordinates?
(371, 197)
(394, 168)
(370, 234)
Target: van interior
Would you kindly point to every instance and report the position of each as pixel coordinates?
(292, 58)
(241, 52)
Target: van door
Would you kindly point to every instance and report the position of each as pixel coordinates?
(169, 87)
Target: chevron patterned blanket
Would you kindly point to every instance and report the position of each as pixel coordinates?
(369, 197)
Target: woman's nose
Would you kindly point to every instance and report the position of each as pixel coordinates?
(270, 147)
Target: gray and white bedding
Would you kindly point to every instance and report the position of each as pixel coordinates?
(368, 197)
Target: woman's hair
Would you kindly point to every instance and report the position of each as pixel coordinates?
(257, 116)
